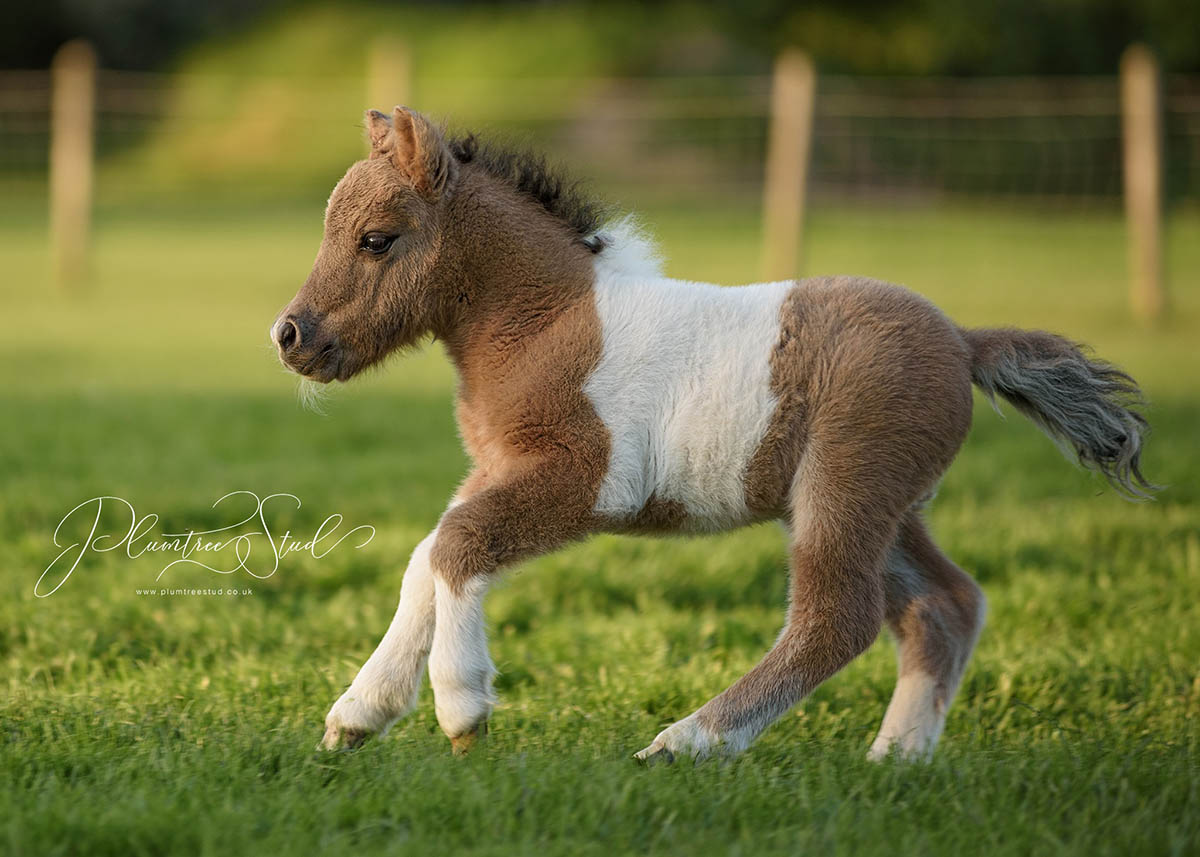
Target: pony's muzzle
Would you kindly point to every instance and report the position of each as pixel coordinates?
(307, 349)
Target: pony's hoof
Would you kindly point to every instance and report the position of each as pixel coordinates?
(351, 721)
(463, 744)
(340, 738)
(687, 739)
(656, 753)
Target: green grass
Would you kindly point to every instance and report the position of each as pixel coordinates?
(148, 725)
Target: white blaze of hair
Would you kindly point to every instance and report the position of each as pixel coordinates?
(683, 383)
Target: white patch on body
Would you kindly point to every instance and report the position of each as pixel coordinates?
(629, 253)
(683, 385)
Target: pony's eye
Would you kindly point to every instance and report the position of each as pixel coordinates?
(376, 242)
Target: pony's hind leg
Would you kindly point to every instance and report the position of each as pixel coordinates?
(836, 611)
(935, 610)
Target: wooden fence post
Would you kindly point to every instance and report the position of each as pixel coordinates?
(72, 130)
(793, 93)
(389, 74)
(1141, 124)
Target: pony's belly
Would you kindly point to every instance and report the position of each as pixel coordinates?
(706, 450)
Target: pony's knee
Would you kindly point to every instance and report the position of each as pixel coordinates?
(462, 552)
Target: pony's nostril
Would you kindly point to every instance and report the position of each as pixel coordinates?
(288, 335)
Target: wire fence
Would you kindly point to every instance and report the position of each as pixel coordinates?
(1044, 139)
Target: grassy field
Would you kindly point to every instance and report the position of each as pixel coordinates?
(135, 724)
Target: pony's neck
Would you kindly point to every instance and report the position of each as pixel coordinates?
(517, 269)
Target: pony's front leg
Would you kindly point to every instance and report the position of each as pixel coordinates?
(386, 687)
(460, 667)
(498, 526)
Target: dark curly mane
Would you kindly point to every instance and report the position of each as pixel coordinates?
(529, 173)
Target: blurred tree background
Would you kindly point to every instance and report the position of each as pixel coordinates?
(853, 36)
(1012, 37)
(129, 34)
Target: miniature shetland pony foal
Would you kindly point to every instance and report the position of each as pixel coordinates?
(597, 395)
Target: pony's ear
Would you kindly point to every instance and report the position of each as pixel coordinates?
(378, 129)
(414, 146)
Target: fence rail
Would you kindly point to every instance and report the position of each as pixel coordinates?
(982, 139)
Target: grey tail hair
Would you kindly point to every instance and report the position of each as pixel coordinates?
(1088, 407)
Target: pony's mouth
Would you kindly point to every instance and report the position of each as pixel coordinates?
(330, 362)
(323, 366)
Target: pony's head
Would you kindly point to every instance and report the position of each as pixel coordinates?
(379, 281)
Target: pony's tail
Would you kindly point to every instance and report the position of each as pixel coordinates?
(1088, 407)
